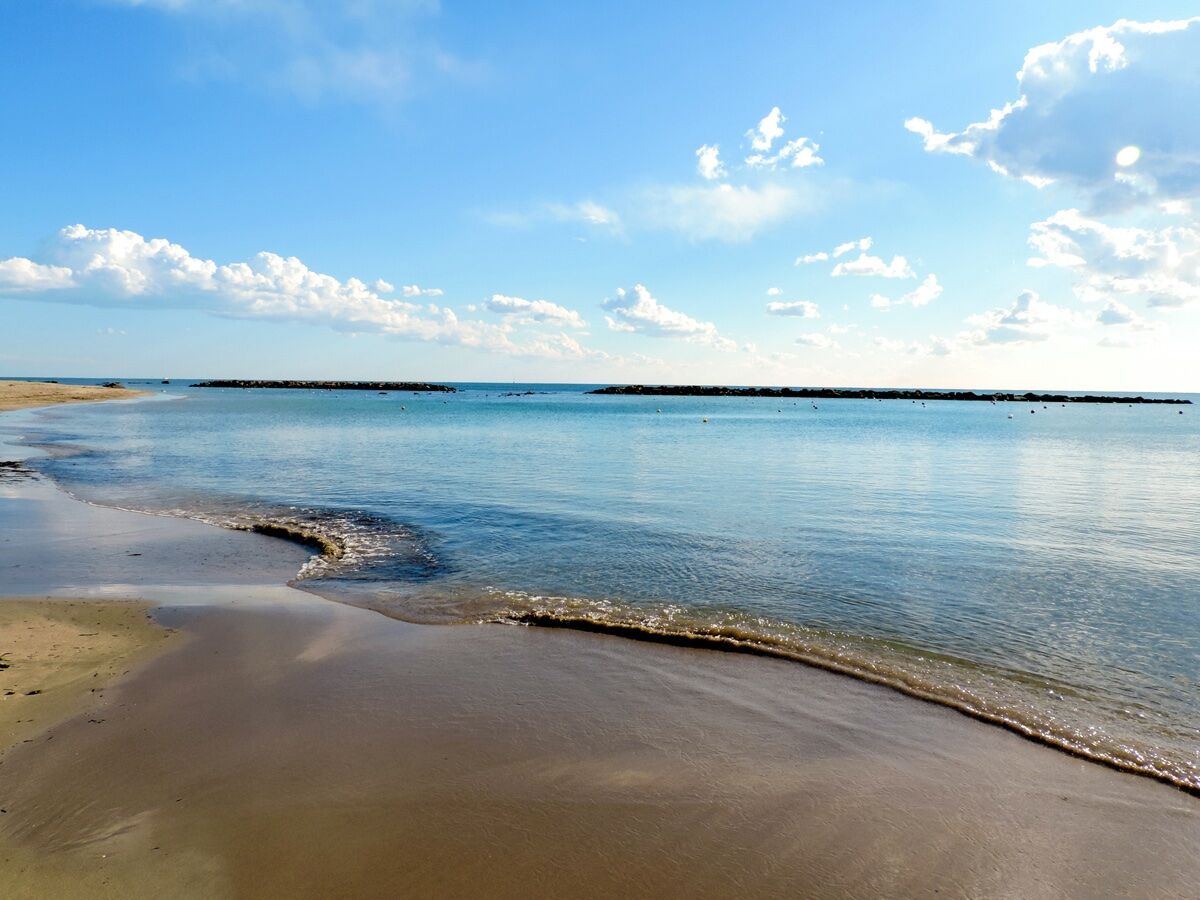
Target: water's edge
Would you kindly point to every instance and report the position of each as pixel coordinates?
(336, 548)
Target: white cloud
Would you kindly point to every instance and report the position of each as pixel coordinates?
(583, 212)
(862, 244)
(799, 154)
(774, 291)
(713, 210)
(535, 311)
(639, 312)
(409, 290)
(803, 309)
(1030, 318)
(1161, 266)
(107, 267)
(595, 214)
(721, 212)
(1116, 313)
(586, 212)
(708, 162)
(817, 340)
(866, 265)
(18, 275)
(769, 128)
(926, 292)
(1085, 99)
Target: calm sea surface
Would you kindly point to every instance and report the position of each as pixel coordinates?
(1041, 571)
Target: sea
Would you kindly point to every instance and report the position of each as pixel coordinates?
(1032, 565)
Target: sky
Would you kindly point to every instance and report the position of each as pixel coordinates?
(940, 194)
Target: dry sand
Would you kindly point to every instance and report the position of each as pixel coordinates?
(293, 747)
(24, 394)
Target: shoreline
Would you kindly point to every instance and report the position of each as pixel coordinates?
(22, 395)
(1038, 726)
(292, 746)
(714, 641)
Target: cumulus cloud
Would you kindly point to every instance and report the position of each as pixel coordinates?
(1028, 319)
(798, 154)
(715, 209)
(1118, 314)
(20, 275)
(774, 291)
(1159, 265)
(820, 256)
(638, 311)
(708, 162)
(1103, 110)
(535, 311)
(769, 128)
(108, 267)
(874, 266)
(926, 292)
(802, 309)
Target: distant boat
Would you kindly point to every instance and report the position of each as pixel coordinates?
(166, 381)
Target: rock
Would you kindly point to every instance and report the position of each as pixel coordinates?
(380, 386)
(915, 394)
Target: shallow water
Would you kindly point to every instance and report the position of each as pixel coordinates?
(1040, 571)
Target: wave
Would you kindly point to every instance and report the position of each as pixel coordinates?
(392, 568)
(1031, 706)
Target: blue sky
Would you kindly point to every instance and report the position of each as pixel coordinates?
(476, 191)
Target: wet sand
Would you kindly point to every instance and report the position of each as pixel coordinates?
(58, 656)
(25, 394)
(294, 747)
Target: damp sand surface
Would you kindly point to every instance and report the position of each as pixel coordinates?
(58, 656)
(308, 752)
(293, 747)
(25, 394)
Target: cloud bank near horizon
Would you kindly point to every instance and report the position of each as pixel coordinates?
(110, 267)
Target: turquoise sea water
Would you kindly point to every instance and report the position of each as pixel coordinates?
(1041, 571)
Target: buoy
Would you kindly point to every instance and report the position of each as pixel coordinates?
(1032, 411)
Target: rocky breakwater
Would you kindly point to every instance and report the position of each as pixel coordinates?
(641, 390)
(410, 386)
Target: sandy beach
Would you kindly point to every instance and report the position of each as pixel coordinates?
(281, 745)
(26, 394)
